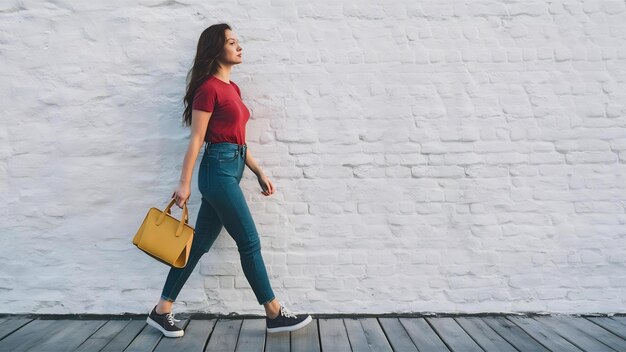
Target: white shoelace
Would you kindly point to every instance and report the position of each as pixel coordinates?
(286, 312)
(170, 318)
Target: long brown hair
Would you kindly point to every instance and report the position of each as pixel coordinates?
(210, 46)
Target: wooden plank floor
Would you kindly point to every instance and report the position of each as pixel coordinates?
(458, 333)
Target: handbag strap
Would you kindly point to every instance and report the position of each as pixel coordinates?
(184, 219)
(182, 223)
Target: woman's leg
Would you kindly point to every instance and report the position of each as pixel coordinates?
(208, 227)
(230, 204)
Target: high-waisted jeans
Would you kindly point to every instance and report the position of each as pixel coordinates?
(223, 205)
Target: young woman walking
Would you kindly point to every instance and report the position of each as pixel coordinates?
(218, 116)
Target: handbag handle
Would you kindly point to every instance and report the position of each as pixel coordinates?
(184, 218)
(167, 210)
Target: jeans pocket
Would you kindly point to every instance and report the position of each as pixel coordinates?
(228, 164)
(227, 156)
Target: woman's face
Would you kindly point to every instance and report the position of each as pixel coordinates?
(232, 49)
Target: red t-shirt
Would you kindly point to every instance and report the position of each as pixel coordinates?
(230, 115)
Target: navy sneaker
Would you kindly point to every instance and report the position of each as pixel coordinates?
(286, 321)
(165, 323)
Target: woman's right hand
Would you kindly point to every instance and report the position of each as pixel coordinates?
(182, 194)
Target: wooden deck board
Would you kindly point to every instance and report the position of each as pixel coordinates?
(611, 325)
(197, 334)
(356, 334)
(126, 336)
(597, 332)
(9, 325)
(620, 319)
(397, 335)
(333, 335)
(578, 338)
(102, 336)
(306, 339)
(423, 336)
(225, 335)
(410, 334)
(73, 333)
(251, 336)
(376, 338)
(514, 335)
(453, 335)
(30, 335)
(484, 335)
(548, 338)
(277, 342)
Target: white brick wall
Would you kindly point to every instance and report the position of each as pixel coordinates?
(455, 156)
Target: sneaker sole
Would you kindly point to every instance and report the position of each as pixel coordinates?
(291, 327)
(165, 332)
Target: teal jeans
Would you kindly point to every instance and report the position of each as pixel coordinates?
(223, 206)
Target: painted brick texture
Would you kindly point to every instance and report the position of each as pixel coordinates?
(448, 156)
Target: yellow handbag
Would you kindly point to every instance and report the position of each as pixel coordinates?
(165, 238)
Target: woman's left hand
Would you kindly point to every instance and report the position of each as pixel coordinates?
(266, 185)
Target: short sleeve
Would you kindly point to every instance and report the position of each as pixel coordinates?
(205, 98)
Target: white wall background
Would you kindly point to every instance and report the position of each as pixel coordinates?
(457, 156)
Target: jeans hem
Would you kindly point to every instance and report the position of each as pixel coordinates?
(167, 298)
(269, 300)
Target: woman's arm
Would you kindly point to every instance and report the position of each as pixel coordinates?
(199, 123)
(252, 164)
(264, 181)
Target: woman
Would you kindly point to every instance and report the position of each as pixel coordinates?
(218, 116)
